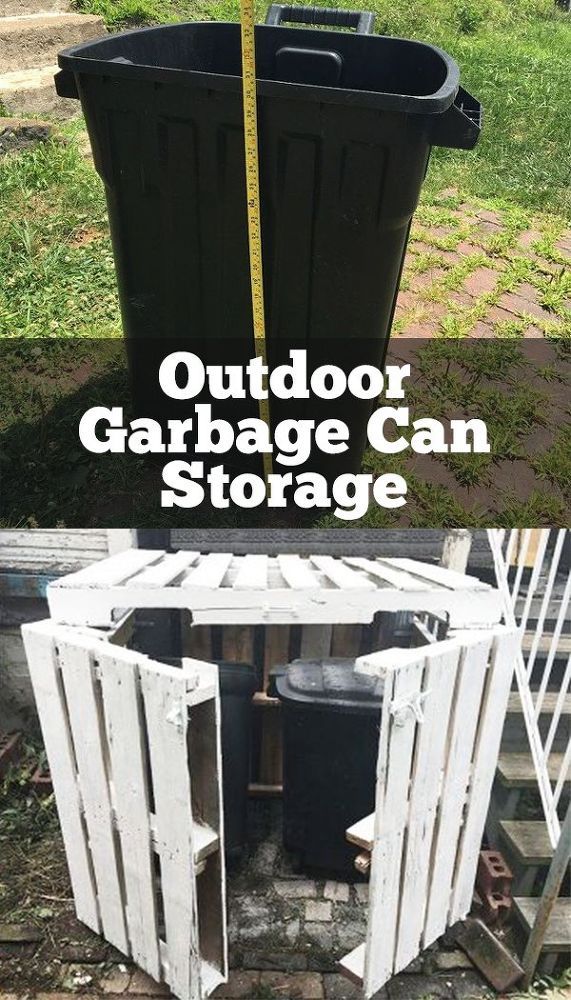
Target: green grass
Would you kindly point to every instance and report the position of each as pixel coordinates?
(513, 57)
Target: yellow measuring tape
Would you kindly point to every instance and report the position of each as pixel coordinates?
(253, 197)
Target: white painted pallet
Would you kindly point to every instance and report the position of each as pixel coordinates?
(441, 726)
(220, 589)
(134, 752)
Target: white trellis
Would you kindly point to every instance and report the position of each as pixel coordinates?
(441, 726)
(540, 589)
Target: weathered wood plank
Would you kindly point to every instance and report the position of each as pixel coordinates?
(164, 573)
(503, 655)
(210, 571)
(455, 785)
(39, 642)
(164, 693)
(438, 687)
(111, 572)
(125, 728)
(340, 574)
(91, 755)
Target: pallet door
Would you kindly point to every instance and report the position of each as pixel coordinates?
(134, 751)
(441, 726)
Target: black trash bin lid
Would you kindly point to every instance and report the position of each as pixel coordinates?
(390, 74)
(330, 683)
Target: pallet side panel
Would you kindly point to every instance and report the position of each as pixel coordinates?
(48, 690)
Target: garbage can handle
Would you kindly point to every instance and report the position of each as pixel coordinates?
(460, 126)
(65, 84)
(361, 20)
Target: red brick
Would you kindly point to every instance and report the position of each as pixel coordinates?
(482, 331)
(528, 238)
(497, 315)
(484, 279)
(491, 217)
(519, 306)
(426, 279)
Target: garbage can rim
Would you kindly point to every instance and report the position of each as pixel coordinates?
(84, 59)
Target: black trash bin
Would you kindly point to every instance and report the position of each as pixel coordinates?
(331, 718)
(237, 685)
(346, 124)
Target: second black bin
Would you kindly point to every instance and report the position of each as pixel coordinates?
(331, 737)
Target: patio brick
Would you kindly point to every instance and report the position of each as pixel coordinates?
(318, 910)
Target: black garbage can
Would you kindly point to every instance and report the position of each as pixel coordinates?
(237, 685)
(331, 718)
(346, 124)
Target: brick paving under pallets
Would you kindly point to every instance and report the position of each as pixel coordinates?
(287, 929)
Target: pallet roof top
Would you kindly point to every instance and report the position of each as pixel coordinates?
(221, 588)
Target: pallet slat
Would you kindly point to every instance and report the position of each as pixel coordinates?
(125, 726)
(90, 752)
(171, 567)
(340, 574)
(165, 698)
(44, 671)
(113, 571)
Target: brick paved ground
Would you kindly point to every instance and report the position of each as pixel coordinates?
(473, 271)
(287, 929)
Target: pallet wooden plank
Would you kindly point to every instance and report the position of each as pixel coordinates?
(297, 573)
(505, 647)
(252, 573)
(164, 573)
(112, 571)
(455, 785)
(124, 725)
(353, 965)
(199, 642)
(210, 571)
(238, 643)
(438, 574)
(391, 808)
(438, 688)
(362, 833)
(276, 648)
(340, 574)
(91, 754)
(39, 642)
(346, 640)
(388, 574)
(164, 694)
(315, 641)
